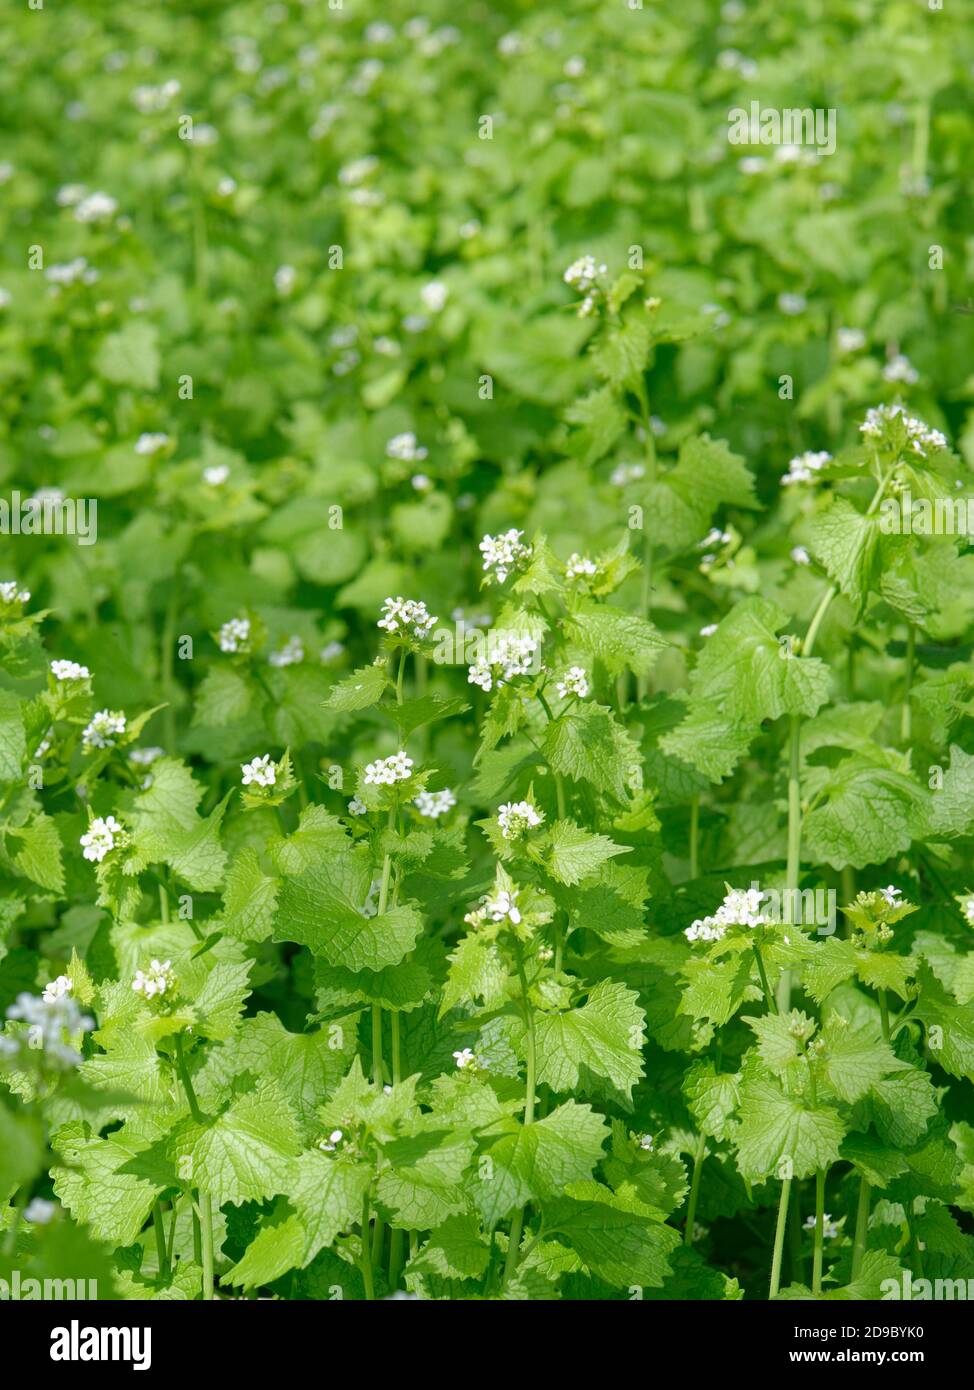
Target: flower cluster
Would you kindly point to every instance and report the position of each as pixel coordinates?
(406, 448)
(409, 614)
(101, 837)
(501, 906)
(330, 1144)
(155, 981)
(143, 757)
(574, 682)
(578, 566)
(260, 772)
(467, 1060)
(57, 989)
(882, 422)
(502, 554)
(387, 771)
(741, 908)
(291, 654)
(803, 467)
(104, 725)
(435, 804)
(151, 443)
(235, 635)
(583, 276)
(508, 656)
(516, 817)
(51, 1022)
(9, 592)
(69, 671)
(830, 1229)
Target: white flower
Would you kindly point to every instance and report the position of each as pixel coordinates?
(881, 420)
(464, 1058)
(234, 635)
(99, 733)
(803, 467)
(386, 771)
(741, 907)
(69, 272)
(226, 186)
(800, 555)
(49, 1023)
(69, 194)
(574, 682)
(792, 303)
(69, 671)
(405, 447)
(260, 771)
(503, 904)
(100, 838)
(39, 1211)
(357, 807)
(96, 207)
(57, 988)
(409, 614)
(216, 475)
(328, 1145)
(9, 592)
(284, 278)
(357, 170)
(900, 368)
(830, 1229)
(435, 804)
(646, 1142)
(850, 339)
(289, 655)
(752, 164)
(156, 980)
(577, 565)
(502, 553)
(434, 296)
(6, 298)
(143, 757)
(515, 817)
(508, 656)
(625, 473)
(583, 274)
(891, 894)
(331, 651)
(151, 443)
(709, 630)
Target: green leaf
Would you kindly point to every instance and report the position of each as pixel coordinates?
(249, 898)
(455, 1250)
(596, 1049)
(587, 744)
(39, 853)
(245, 1154)
(570, 854)
(620, 640)
(535, 1162)
(624, 1247)
(845, 541)
(314, 909)
(782, 1135)
(362, 689)
(13, 741)
(130, 357)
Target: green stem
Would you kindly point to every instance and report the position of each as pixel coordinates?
(862, 1226)
(796, 1261)
(203, 1212)
(793, 871)
(377, 1044)
(698, 1160)
(646, 592)
(762, 973)
(694, 837)
(819, 1231)
(365, 1259)
(161, 1250)
(906, 717)
(517, 1222)
(166, 665)
(560, 794)
(206, 1222)
(400, 676)
(884, 1012)
(779, 1239)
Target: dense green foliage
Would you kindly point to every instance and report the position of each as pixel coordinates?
(484, 834)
